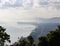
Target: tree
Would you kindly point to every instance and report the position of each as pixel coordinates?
(30, 40)
(23, 43)
(54, 37)
(3, 36)
(51, 39)
(43, 41)
(26, 41)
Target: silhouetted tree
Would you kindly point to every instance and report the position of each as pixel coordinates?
(3, 36)
(30, 40)
(43, 41)
(23, 43)
(34, 45)
(52, 39)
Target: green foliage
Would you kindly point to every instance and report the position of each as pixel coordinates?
(26, 42)
(52, 39)
(31, 40)
(43, 41)
(23, 43)
(3, 36)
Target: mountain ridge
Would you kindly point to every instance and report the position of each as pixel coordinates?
(44, 28)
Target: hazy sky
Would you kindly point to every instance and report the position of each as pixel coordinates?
(13, 11)
(16, 10)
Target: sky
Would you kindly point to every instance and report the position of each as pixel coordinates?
(16, 10)
(13, 11)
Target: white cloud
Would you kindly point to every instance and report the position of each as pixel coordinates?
(10, 3)
(29, 15)
(28, 4)
(50, 3)
(16, 3)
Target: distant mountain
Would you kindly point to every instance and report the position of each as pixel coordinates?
(45, 27)
(54, 20)
(42, 20)
(49, 20)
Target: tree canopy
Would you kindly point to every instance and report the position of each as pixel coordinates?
(51, 39)
(3, 36)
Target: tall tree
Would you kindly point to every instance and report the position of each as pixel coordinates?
(3, 36)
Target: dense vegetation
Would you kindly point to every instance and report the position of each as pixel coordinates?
(3, 36)
(51, 39)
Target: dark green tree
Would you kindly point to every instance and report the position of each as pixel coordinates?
(51, 39)
(30, 40)
(3, 36)
(43, 41)
(54, 37)
(23, 43)
(27, 41)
